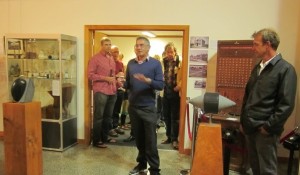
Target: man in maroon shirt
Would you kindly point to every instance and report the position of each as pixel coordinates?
(101, 73)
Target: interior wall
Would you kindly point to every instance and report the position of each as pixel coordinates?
(3, 84)
(220, 20)
(297, 65)
(290, 37)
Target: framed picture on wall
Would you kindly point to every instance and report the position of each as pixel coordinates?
(198, 71)
(200, 84)
(199, 42)
(15, 48)
(198, 56)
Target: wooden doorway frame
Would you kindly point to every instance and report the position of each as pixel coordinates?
(88, 44)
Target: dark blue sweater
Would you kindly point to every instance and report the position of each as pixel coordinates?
(141, 93)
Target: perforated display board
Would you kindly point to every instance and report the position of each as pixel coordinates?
(235, 61)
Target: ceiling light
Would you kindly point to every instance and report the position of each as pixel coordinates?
(149, 34)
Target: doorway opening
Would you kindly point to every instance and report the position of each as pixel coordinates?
(90, 48)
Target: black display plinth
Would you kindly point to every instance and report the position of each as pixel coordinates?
(58, 137)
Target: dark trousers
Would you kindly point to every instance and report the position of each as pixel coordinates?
(262, 151)
(103, 109)
(143, 120)
(171, 106)
(123, 119)
(159, 108)
(117, 108)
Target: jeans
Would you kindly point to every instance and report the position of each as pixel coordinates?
(102, 119)
(262, 153)
(117, 108)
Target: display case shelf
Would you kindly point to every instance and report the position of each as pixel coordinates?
(50, 60)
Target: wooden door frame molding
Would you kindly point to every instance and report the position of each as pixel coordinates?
(88, 36)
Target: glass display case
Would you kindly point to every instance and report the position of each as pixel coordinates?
(50, 60)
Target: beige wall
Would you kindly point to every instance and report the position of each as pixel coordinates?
(297, 64)
(3, 89)
(218, 19)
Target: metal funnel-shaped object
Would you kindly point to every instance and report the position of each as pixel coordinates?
(211, 102)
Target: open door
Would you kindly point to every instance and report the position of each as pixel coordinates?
(90, 48)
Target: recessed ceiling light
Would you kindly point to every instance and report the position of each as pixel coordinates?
(149, 34)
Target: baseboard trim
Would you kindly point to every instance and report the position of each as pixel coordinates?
(285, 159)
(186, 151)
(80, 141)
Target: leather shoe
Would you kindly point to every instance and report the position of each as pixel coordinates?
(100, 145)
(154, 173)
(110, 140)
(139, 169)
(119, 131)
(125, 127)
(113, 133)
(175, 144)
(129, 139)
(167, 141)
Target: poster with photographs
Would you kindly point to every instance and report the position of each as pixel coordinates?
(200, 84)
(198, 56)
(198, 71)
(199, 42)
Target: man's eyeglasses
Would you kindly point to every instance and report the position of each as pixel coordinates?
(140, 45)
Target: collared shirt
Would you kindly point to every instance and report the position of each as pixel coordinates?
(263, 65)
(101, 66)
(141, 62)
(119, 67)
(171, 67)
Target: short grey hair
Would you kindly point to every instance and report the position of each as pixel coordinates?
(268, 35)
(143, 38)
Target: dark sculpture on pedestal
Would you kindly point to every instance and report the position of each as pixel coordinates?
(22, 90)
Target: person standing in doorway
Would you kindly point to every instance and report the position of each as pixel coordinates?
(143, 77)
(101, 72)
(268, 102)
(120, 92)
(159, 107)
(124, 111)
(171, 98)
